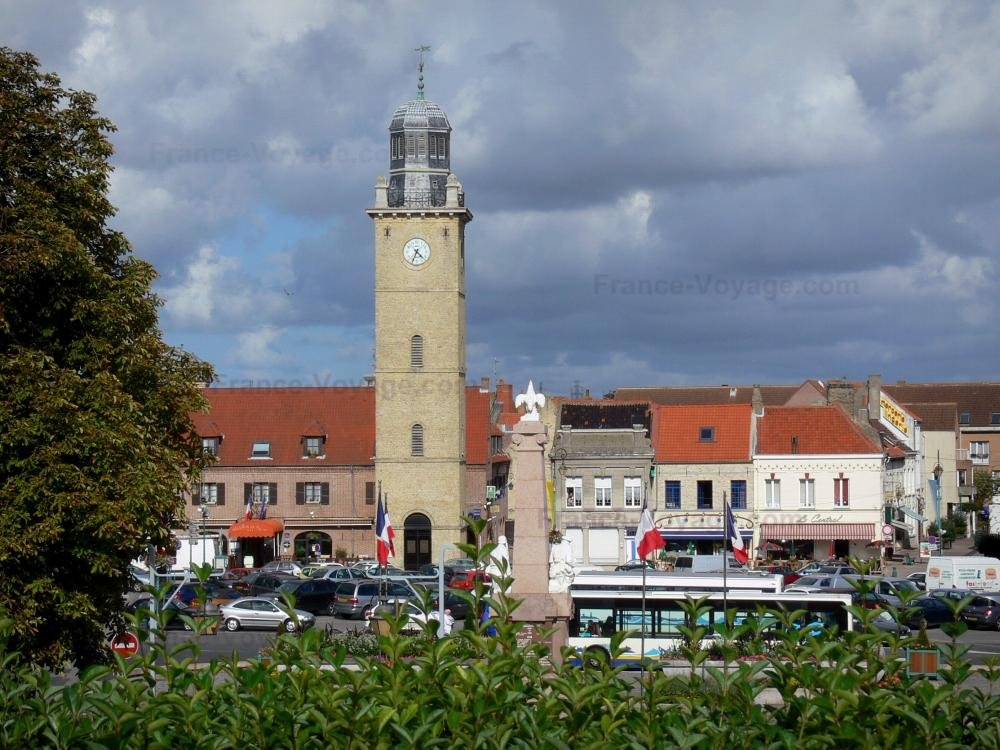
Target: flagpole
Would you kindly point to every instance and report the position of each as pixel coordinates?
(725, 556)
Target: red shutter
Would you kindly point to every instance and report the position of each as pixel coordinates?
(836, 492)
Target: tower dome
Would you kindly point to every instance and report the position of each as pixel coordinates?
(419, 154)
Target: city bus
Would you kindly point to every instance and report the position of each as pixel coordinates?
(605, 604)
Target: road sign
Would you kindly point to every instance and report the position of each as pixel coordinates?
(125, 644)
(887, 530)
(491, 492)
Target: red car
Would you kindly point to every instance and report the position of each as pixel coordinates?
(467, 580)
(788, 576)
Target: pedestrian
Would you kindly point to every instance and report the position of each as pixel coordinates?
(449, 623)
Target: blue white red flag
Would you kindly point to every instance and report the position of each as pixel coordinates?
(647, 536)
(739, 548)
(384, 548)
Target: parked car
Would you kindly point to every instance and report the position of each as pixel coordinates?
(983, 612)
(143, 607)
(827, 584)
(836, 570)
(262, 582)
(636, 565)
(338, 574)
(457, 601)
(920, 579)
(289, 567)
(358, 597)
(257, 612)
(236, 574)
(888, 588)
(467, 580)
(416, 618)
(886, 623)
(314, 595)
(788, 575)
(932, 609)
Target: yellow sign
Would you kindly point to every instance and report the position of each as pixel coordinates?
(893, 415)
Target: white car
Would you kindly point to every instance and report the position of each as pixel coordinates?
(258, 612)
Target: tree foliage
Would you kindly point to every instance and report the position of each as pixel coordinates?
(95, 437)
(986, 487)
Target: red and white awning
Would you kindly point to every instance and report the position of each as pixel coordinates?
(863, 532)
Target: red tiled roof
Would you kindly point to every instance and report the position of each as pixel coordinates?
(936, 417)
(817, 429)
(980, 400)
(283, 416)
(773, 395)
(677, 433)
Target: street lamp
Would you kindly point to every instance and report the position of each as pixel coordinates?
(204, 518)
(312, 536)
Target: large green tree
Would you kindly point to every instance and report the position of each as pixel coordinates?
(95, 438)
(986, 487)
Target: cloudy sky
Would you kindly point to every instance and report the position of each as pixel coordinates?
(664, 193)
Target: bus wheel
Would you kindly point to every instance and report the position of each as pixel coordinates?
(596, 657)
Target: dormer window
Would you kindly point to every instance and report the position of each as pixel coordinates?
(706, 434)
(312, 446)
(210, 445)
(965, 418)
(261, 449)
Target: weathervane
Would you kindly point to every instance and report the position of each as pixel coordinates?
(420, 81)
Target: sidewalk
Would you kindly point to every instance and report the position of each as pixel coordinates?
(959, 548)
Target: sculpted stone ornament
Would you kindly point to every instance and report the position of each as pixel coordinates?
(562, 569)
(532, 403)
(499, 565)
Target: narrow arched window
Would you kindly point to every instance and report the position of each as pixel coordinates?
(417, 351)
(417, 440)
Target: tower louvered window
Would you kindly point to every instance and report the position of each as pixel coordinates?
(417, 440)
(417, 351)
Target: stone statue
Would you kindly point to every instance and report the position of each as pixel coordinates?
(532, 403)
(499, 565)
(562, 569)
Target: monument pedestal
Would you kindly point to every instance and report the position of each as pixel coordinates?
(528, 507)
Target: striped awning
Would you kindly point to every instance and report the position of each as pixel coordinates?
(255, 528)
(825, 531)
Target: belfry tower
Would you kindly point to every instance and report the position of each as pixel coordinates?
(420, 217)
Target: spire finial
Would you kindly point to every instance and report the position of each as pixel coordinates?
(420, 80)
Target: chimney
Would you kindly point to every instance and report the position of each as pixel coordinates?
(757, 401)
(874, 396)
(484, 385)
(505, 394)
(795, 443)
(840, 392)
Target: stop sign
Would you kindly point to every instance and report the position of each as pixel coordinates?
(125, 644)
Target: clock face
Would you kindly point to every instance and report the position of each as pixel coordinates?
(416, 252)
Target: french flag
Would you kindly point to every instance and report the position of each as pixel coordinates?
(739, 548)
(648, 535)
(384, 548)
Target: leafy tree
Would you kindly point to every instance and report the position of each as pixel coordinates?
(95, 437)
(986, 487)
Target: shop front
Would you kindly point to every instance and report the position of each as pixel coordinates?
(254, 542)
(819, 541)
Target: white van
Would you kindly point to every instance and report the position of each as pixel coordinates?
(965, 573)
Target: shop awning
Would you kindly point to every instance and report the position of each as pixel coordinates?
(255, 528)
(699, 534)
(825, 531)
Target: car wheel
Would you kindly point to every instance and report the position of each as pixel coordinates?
(290, 626)
(232, 624)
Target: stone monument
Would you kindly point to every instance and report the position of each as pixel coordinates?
(527, 506)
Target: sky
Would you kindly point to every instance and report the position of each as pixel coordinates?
(664, 193)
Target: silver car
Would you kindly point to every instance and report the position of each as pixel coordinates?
(257, 612)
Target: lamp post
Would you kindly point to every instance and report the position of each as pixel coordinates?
(312, 536)
(204, 519)
(938, 471)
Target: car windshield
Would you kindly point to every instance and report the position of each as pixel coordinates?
(290, 586)
(884, 616)
(807, 581)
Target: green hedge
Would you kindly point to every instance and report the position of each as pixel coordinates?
(474, 691)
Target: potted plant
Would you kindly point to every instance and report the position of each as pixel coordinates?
(922, 657)
(555, 536)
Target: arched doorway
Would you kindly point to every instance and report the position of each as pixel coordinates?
(416, 541)
(312, 545)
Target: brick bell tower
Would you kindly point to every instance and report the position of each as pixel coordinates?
(419, 219)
